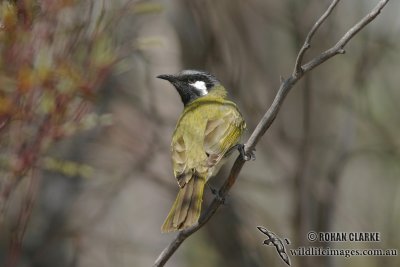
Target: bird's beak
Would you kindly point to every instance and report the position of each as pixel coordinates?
(167, 77)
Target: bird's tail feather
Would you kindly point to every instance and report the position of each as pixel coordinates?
(187, 206)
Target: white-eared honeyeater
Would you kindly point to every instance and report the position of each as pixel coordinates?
(210, 126)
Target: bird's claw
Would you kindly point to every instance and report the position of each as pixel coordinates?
(217, 195)
(246, 156)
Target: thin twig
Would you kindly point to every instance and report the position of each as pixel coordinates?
(269, 118)
(338, 48)
(307, 43)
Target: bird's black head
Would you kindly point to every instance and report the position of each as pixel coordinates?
(191, 84)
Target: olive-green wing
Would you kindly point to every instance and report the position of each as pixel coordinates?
(222, 133)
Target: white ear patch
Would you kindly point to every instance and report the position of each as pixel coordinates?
(200, 86)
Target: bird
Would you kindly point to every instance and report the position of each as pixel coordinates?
(208, 130)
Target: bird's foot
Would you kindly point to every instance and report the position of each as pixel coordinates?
(217, 195)
(246, 156)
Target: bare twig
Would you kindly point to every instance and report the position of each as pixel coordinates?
(338, 48)
(307, 43)
(270, 115)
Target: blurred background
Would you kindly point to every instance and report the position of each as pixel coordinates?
(85, 127)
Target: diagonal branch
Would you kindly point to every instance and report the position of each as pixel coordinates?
(270, 115)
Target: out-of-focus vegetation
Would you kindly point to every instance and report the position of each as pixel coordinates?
(85, 127)
(51, 68)
(55, 57)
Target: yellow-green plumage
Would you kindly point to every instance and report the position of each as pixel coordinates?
(208, 127)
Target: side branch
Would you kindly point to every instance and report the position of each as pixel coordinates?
(270, 115)
(338, 48)
(297, 66)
